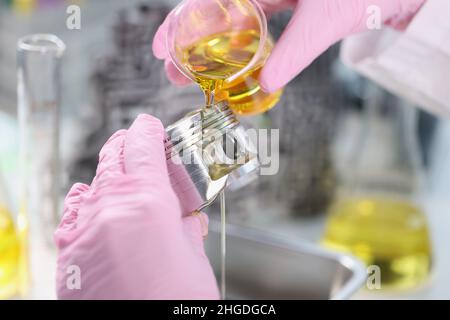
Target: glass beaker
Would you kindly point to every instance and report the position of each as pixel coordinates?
(377, 215)
(222, 45)
(39, 89)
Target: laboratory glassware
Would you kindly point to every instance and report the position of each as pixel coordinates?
(378, 214)
(222, 45)
(39, 93)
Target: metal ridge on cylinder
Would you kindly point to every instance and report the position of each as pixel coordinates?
(197, 126)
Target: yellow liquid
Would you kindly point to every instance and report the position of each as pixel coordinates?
(9, 256)
(24, 279)
(219, 170)
(388, 233)
(215, 58)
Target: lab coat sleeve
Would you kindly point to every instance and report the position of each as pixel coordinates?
(414, 64)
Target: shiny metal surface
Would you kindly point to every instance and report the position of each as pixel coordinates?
(262, 266)
(198, 158)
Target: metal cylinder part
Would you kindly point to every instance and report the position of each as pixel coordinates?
(207, 150)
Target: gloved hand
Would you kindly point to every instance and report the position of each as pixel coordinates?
(314, 27)
(126, 233)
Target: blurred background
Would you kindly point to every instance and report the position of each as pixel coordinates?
(361, 172)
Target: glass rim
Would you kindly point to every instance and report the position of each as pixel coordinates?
(262, 21)
(41, 43)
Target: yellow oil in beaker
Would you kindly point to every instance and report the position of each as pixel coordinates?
(215, 58)
(389, 233)
(9, 256)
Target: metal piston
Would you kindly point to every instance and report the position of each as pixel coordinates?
(206, 151)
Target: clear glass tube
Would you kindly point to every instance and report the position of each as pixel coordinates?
(39, 93)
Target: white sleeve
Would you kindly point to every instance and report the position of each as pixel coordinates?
(414, 64)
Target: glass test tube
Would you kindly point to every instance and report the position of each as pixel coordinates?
(39, 93)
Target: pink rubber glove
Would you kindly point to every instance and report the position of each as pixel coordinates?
(126, 233)
(314, 27)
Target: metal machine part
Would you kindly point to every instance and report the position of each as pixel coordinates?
(206, 150)
(263, 266)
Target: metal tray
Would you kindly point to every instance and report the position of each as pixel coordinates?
(264, 266)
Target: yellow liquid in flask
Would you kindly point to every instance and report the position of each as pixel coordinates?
(215, 58)
(391, 234)
(9, 256)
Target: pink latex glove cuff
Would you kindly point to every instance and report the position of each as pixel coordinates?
(125, 233)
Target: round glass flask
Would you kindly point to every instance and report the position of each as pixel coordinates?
(377, 215)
